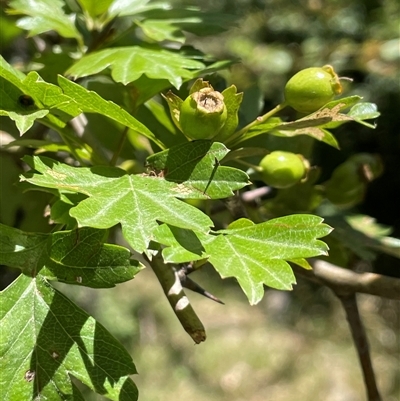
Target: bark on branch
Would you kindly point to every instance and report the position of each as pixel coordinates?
(169, 279)
(349, 303)
(344, 281)
(345, 284)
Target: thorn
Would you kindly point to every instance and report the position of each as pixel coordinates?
(215, 166)
(191, 285)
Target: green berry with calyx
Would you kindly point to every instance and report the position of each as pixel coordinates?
(311, 88)
(203, 114)
(281, 169)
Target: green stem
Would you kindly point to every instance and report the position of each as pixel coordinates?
(67, 134)
(237, 137)
(119, 147)
(250, 165)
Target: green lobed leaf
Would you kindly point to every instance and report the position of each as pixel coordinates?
(60, 212)
(48, 100)
(138, 202)
(11, 74)
(46, 339)
(196, 165)
(11, 88)
(91, 102)
(315, 124)
(302, 263)
(344, 102)
(317, 133)
(132, 7)
(51, 97)
(170, 24)
(43, 16)
(255, 254)
(95, 8)
(41, 145)
(364, 111)
(181, 245)
(162, 30)
(25, 121)
(215, 67)
(363, 235)
(128, 64)
(74, 257)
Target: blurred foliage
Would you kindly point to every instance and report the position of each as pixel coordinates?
(292, 346)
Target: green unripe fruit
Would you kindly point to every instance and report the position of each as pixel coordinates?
(282, 169)
(203, 114)
(311, 88)
(346, 187)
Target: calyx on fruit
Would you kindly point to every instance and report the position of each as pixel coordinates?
(311, 88)
(281, 169)
(203, 114)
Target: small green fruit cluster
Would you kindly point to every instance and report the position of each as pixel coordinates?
(203, 114)
(311, 88)
(281, 169)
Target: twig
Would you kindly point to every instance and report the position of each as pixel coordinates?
(119, 147)
(256, 193)
(234, 139)
(169, 279)
(235, 206)
(345, 284)
(347, 281)
(193, 286)
(349, 303)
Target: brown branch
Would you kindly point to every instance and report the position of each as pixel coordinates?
(345, 281)
(345, 284)
(349, 303)
(256, 193)
(169, 279)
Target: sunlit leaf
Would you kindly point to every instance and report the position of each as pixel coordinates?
(95, 8)
(196, 166)
(255, 254)
(46, 339)
(91, 102)
(43, 16)
(364, 111)
(128, 64)
(137, 202)
(74, 257)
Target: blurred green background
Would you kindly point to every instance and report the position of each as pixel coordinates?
(292, 346)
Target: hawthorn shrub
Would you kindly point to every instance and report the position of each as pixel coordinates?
(112, 122)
